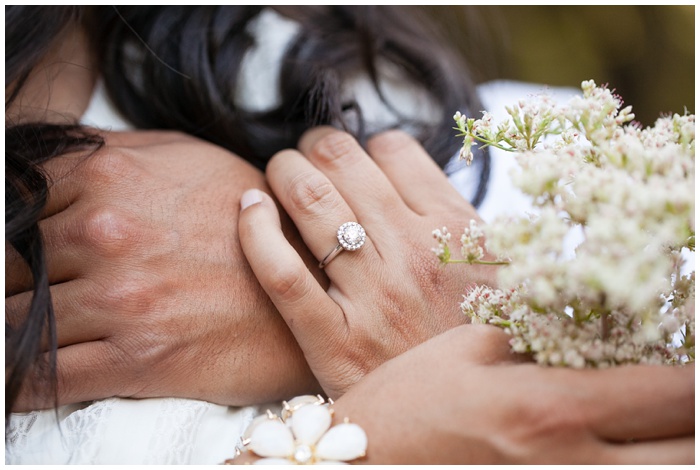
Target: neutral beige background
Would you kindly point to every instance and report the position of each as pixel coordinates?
(647, 53)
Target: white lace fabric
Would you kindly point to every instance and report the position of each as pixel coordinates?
(125, 431)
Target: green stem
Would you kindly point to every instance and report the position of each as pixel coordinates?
(492, 143)
(488, 263)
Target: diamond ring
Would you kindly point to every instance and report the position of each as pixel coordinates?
(351, 236)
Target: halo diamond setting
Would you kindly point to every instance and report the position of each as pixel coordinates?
(351, 236)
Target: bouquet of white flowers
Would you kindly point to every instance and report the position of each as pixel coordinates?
(599, 275)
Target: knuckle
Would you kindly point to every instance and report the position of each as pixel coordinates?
(131, 295)
(390, 142)
(424, 267)
(111, 164)
(440, 285)
(336, 147)
(109, 230)
(137, 357)
(311, 192)
(405, 330)
(545, 418)
(288, 285)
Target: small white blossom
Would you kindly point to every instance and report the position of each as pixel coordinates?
(442, 250)
(471, 242)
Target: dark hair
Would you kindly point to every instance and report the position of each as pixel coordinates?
(175, 68)
(188, 60)
(30, 32)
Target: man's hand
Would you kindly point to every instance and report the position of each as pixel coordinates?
(153, 295)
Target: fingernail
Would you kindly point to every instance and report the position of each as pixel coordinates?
(250, 197)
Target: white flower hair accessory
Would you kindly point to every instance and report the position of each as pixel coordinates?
(303, 435)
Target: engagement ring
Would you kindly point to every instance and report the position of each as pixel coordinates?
(351, 236)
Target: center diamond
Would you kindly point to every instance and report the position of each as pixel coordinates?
(351, 236)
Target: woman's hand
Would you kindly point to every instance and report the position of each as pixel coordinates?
(384, 298)
(451, 400)
(153, 295)
(437, 404)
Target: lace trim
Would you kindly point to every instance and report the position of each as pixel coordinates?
(17, 437)
(84, 431)
(177, 426)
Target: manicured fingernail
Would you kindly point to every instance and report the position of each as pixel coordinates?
(250, 197)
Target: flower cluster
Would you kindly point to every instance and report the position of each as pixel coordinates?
(599, 275)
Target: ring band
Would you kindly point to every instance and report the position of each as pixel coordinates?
(351, 236)
(330, 256)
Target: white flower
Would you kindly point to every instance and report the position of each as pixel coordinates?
(305, 438)
(442, 250)
(625, 197)
(471, 248)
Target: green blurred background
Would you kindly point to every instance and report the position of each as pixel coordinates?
(646, 53)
